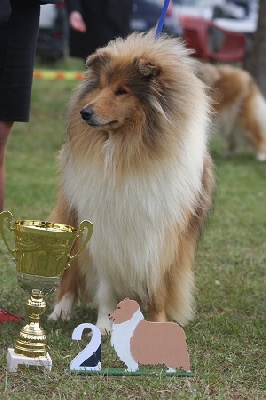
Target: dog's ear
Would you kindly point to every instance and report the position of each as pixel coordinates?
(97, 60)
(146, 68)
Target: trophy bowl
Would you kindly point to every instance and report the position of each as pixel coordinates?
(41, 254)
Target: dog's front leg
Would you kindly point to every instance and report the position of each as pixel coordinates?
(67, 293)
(156, 308)
(106, 301)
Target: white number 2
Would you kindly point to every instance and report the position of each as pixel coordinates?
(88, 359)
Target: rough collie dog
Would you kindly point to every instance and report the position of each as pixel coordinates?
(148, 343)
(135, 163)
(240, 107)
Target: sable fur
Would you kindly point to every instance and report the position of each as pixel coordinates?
(140, 170)
(239, 106)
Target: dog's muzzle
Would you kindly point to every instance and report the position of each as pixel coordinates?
(89, 116)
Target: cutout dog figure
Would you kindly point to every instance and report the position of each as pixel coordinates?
(137, 341)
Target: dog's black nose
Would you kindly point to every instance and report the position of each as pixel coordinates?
(87, 113)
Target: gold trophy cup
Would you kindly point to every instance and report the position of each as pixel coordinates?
(41, 254)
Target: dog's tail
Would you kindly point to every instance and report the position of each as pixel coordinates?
(260, 110)
(258, 104)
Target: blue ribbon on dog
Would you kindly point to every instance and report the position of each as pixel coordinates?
(161, 20)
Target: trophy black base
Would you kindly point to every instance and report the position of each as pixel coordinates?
(17, 361)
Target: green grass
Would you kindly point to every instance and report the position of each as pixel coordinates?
(227, 338)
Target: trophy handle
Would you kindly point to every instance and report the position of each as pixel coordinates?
(82, 226)
(8, 216)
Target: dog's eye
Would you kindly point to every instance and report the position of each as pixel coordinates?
(120, 91)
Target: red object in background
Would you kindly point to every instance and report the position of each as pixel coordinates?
(60, 5)
(9, 317)
(169, 11)
(197, 31)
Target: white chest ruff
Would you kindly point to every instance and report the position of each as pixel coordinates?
(131, 217)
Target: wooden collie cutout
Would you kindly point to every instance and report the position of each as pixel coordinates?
(137, 341)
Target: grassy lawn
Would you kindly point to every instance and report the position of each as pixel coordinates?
(227, 338)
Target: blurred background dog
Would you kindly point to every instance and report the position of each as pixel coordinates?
(240, 108)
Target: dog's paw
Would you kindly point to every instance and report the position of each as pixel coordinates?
(62, 310)
(104, 324)
(55, 316)
(261, 157)
(105, 331)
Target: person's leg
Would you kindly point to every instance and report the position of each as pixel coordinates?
(18, 40)
(5, 128)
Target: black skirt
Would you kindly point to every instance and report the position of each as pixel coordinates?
(18, 40)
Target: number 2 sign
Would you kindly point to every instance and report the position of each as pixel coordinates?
(88, 359)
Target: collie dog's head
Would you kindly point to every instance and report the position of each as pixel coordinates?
(141, 92)
(124, 311)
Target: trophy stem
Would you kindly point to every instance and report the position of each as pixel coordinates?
(32, 339)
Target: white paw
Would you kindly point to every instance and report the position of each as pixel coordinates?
(105, 329)
(63, 309)
(261, 157)
(55, 315)
(104, 323)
